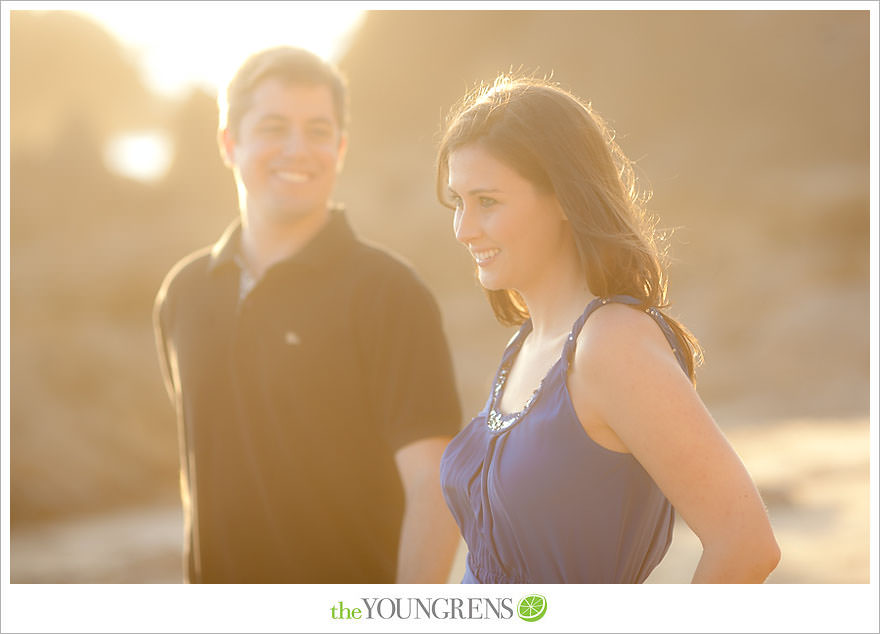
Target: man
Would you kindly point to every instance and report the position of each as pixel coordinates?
(311, 377)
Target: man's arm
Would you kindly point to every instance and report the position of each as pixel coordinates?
(429, 536)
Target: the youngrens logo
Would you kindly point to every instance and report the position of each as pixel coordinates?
(425, 608)
(532, 607)
(529, 608)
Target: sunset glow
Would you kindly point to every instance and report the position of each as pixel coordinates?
(179, 46)
(182, 44)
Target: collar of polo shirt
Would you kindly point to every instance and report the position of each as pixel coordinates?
(320, 252)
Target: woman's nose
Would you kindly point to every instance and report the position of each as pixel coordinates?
(465, 225)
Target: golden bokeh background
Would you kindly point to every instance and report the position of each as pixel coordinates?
(750, 127)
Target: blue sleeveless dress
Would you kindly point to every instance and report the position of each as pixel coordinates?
(539, 501)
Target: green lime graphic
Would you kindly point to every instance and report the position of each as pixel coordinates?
(532, 607)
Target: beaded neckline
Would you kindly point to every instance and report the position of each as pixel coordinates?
(496, 420)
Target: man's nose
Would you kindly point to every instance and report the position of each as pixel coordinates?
(294, 143)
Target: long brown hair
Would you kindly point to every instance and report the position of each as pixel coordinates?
(563, 147)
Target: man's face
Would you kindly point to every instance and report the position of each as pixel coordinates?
(286, 152)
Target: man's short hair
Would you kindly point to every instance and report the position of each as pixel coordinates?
(289, 64)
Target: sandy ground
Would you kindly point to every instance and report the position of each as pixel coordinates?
(813, 475)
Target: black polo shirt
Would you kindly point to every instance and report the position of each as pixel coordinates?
(292, 403)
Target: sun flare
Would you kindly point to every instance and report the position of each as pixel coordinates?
(179, 46)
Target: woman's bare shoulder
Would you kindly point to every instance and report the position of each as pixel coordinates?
(619, 329)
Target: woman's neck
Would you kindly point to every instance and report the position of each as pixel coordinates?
(554, 307)
(553, 316)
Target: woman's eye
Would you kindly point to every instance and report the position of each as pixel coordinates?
(486, 201)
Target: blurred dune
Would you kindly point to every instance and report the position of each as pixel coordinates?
(67, 69)
(751, 128)
(90, 424)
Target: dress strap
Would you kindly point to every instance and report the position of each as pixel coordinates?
(515, 342)
(568, 350)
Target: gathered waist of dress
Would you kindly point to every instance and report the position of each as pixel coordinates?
(486, 570)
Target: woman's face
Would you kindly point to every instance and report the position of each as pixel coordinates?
(517, 234)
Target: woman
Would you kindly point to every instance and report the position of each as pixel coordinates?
(576, 481)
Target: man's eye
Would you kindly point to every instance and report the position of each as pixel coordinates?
(320, 134)
(272, 130)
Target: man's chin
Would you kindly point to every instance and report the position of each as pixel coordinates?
(287, 213)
